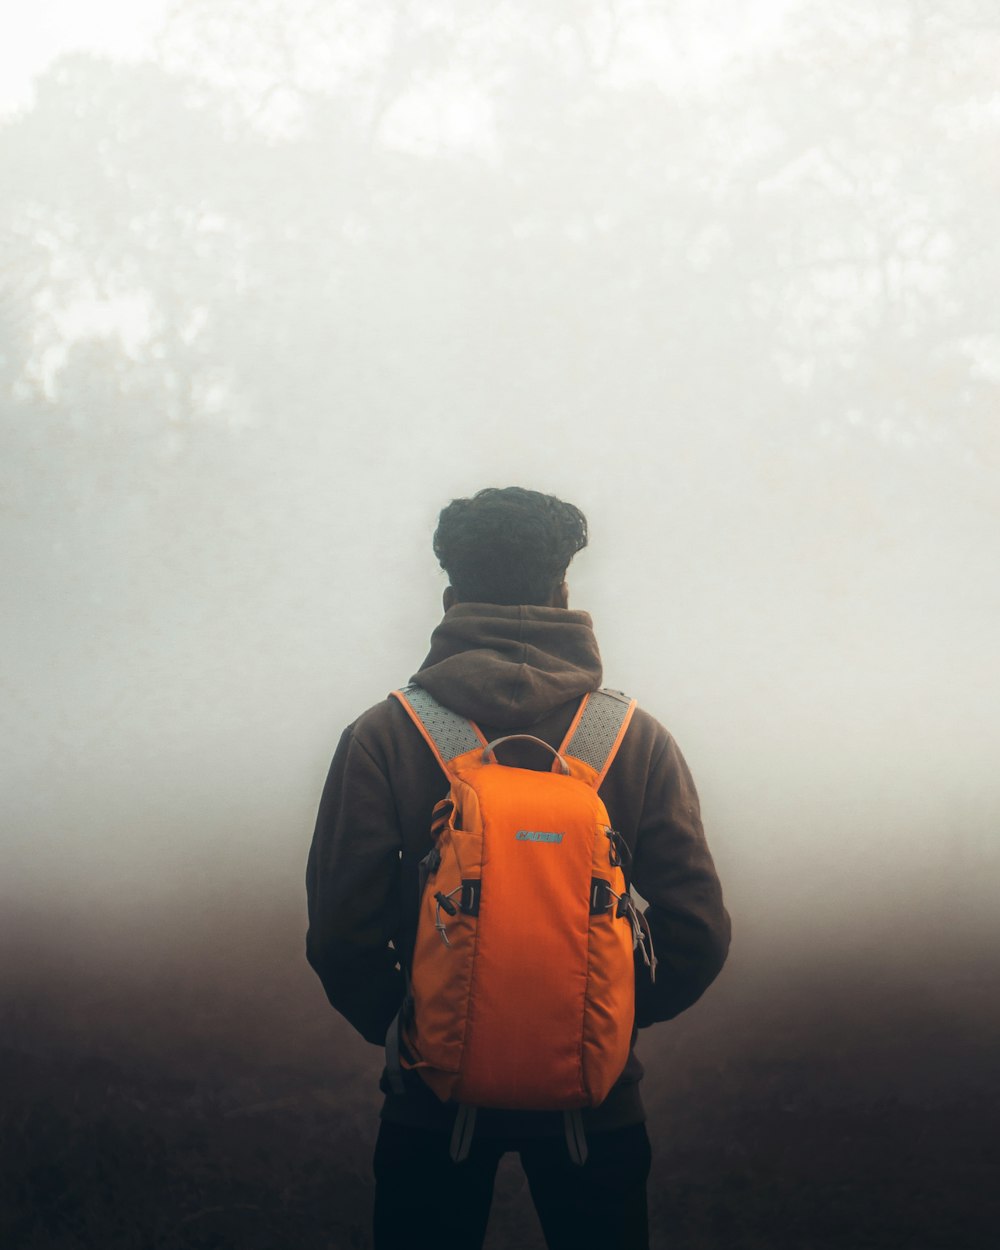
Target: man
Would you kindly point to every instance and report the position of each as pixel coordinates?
(511, 656)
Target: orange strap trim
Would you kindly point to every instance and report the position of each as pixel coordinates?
(411, 712)
(616, 744)
(572, 728)
(398, 694)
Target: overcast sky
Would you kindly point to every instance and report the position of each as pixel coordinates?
(34, 35)
(38, 34)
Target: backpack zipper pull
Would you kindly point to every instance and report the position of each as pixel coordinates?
(444, 902)
(642, 937)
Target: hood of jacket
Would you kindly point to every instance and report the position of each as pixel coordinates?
(509, 666)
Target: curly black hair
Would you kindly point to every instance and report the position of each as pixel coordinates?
(508, 545)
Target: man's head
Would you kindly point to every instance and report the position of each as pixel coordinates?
(508, 546)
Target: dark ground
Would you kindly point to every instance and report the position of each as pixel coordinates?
(206, 1097)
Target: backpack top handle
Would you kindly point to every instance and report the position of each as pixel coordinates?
(489, 751)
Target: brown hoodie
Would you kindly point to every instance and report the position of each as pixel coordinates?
(507, 668)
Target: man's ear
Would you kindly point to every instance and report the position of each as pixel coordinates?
(560, 596)
(449, 598)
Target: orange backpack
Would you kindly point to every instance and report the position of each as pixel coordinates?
(522, 985)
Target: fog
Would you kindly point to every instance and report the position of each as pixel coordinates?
(279, 287)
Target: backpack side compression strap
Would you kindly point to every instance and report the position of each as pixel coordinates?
(446, 733)
(597, 732)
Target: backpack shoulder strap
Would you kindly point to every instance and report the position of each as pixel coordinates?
(598, 729)
(446, 733)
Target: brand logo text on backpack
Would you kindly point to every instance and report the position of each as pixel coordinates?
(530, 835)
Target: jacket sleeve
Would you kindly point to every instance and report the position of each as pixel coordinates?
(674, 872)
(353, 891)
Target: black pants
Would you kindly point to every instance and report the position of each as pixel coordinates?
(421, 1193)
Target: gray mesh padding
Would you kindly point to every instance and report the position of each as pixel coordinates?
(452, 734)
(599, 725)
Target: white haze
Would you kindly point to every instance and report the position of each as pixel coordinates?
(725, 276)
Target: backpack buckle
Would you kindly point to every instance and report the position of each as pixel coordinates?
(600, 896)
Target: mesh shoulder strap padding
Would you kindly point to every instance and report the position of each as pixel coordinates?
(452, 735)
(600, 729)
